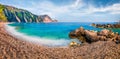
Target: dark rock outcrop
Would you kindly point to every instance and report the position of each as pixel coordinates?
(116, 25)
(91, 36)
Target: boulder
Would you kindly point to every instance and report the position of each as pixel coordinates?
(77, 33)
(80, 31)
(104, 32)
(72, 35)
(91, 36)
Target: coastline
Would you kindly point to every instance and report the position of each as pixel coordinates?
(36, 40)
(12, 48)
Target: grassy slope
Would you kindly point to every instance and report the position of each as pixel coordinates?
(2, 16)
(20, 13)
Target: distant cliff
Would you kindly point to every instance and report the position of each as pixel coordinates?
(12, 14)
(46, 19)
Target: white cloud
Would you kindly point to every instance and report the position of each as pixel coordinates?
(113, 9)
(75, 10)
(47, 7)
(77, 3)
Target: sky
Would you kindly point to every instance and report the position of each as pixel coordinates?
(71, 10)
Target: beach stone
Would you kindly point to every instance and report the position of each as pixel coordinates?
(12, 48)
(72, 44)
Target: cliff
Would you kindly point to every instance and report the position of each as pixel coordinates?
(12, 14)
(46, 19)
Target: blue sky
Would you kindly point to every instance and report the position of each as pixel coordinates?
(71, 10)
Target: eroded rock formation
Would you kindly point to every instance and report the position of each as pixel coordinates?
(91, 36)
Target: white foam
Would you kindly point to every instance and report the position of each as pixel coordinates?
(37, 40)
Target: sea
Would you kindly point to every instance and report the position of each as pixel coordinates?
(54, 34)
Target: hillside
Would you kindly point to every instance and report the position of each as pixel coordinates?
(12, 14)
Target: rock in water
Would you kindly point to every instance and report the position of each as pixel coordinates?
(78, 34)
(92, 36)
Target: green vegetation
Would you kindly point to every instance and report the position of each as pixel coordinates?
(2, 16)
(12, 14)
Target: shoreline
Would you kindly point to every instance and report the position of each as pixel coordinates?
(12, 48)
(36, 40)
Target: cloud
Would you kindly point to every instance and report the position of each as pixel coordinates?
(113, 9)
(48, 7)
(78, 9)
(77, 3)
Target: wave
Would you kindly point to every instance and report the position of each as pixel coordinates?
(37, 40)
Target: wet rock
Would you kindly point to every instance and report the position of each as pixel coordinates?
(72, 35)
(90, 36)
(78, 34)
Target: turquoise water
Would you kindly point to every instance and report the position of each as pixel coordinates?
(49, 34)
(53, 31)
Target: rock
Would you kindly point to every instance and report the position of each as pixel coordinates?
(72, 44)
(116, 25)
(104, 32)
(93, 24)
(82, 39)
(77, 33)
(102, 38)
(90, 36)
(80, 31)
(118, 39)
(72, 35)
(46, 18)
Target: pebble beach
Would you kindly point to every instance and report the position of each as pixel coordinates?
(13, 48)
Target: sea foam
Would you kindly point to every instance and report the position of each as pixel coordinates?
(36, 40)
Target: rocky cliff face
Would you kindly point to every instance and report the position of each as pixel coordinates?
(46, 19)
(12, 14)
